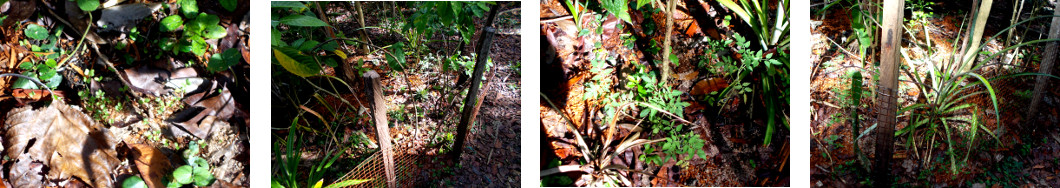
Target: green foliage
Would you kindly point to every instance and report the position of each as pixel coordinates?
(758, 17)
(35, 31)
(229, 5)
(288, 159)
(222, 61)
(198, 27)
(446, 16)
(396, 58)
(302, 21)
(196, 172)
(619, 8)
(171, 23)
(45, 72)
(771, 68)
(133, 182)
(295, 62)
(87, 5)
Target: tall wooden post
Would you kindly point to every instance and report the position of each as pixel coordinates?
(887, 90)
(485, 40)
(382, 128)
(1046, 67)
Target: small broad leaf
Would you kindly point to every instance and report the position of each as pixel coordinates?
(88, 5)
(134, 182)
(190, 8)
(214, 32)
(302, 20)
(202, 176)
(182, 174)
(35, 31)
(222, 61)
(171, 23)
(25, 83)
(229, 5)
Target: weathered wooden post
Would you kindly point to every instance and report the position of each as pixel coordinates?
(1046, 67)
(887, 90)
(485, 40)
(382, 128)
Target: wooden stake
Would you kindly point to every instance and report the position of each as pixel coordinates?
(890, 62)
(485, 40)
(382, 128)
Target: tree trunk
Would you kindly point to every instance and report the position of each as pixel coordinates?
(975, 36)
(1046, 67)
(670, 8)
(887, 90)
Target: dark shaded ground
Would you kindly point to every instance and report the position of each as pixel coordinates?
(421, 123)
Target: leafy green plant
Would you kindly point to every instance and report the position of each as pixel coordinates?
(945, 90)
(289, 158)
(199, 27)
(597, 160)
(771, 67)
(196, 172)
(133, 182)
(757, 15)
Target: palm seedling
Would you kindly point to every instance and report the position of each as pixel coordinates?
(945, 93)
(598, 155)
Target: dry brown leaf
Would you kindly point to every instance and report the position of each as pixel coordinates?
(66, 140)
(152, 164)
(709, 85)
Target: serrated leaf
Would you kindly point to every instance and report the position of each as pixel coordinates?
(302, 21)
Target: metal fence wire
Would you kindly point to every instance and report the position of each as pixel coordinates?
(406, 170)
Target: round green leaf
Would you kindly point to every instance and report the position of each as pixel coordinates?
(88, 5)
(287, 58)
(229, 5)
(134, 182)
(202, 177)
(302, 20)
(198, 46)
(35, 31)
(214, 32)
(172, 23)
(189, 7)
(221, 61)
(208, 19)
(25, 83)
(182, 174)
